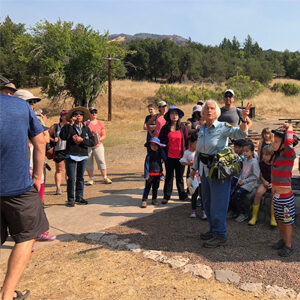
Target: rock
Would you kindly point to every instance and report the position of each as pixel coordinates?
(280, 292)
(155, 255)
(117, 244)
(134, 247)
(251, 287)
(94, 236)
(177, 261)
(227, 276)
(109, 238)
(200, 270)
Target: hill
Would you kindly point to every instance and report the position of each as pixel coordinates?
(122, 37)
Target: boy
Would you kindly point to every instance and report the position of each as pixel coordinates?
(247, 181)
(153, 169)
(283, 199)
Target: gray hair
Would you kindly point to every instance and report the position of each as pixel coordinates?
(218, 110)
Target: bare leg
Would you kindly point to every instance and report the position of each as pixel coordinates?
(58, 173)
(90, 173)
(17, 263)
(103, 172)
(286, 233)
(259, 193)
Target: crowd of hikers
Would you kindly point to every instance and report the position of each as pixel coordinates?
(222, 168)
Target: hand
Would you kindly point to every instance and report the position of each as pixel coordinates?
(192, 174)
(269, 186)
(147, 178)
(37, 183)
(287, 126)
(55, 139)
(245, 111)
(191, 162)
(79, 140)
(239, 183)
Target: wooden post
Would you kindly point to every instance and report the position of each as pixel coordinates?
(109, 88)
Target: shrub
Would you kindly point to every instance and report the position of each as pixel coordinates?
(244, 87)
(289, 89)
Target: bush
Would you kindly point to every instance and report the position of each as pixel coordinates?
(244, 87)
(289, 89)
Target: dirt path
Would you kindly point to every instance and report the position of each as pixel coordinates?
(79, 269)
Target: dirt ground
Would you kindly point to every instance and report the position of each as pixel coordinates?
(80, 269)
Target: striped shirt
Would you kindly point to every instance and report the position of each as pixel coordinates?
(281, 172)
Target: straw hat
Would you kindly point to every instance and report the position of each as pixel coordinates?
(86, 113)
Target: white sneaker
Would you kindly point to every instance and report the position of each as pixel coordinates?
(241, 218)
(193, 214)
(203, 215)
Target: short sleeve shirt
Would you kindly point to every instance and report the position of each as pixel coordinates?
(18, 122)
(232, 116)
(153, 123)
(97, 128)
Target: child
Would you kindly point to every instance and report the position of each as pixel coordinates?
(283, 199)
(266, 139)
(265, 186)
(153, 169)
(247, 180)
(194, 185)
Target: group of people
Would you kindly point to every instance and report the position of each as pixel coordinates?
(198, 144)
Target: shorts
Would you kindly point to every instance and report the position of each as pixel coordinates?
(59, 156)
(23, 215)
(284, 207)
(98, 153)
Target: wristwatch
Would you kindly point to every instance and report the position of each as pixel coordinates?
(246, 121)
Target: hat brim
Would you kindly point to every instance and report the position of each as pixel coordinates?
(159, 144)
(180, 113)
(86, 113)
(34, 100)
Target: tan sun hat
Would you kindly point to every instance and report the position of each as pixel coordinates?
(10, 86)
(86, 113)
(26, 95)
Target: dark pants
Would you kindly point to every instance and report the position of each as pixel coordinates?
(195, 196)
(238, 200)
(173, 164)
(75, 171)
(153, 182)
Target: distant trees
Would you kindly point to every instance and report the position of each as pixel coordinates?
(68, 60)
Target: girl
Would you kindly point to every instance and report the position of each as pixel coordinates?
(266, 139)
(265, 186)
(174, 134)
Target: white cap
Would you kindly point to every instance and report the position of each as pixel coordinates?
(229, 91)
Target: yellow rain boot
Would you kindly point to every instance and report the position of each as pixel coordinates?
(272, 217)
(255, 209)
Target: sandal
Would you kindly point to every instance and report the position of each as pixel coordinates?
(21, 296)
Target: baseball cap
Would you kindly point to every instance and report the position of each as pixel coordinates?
(197, 108)
(162, 103)
(229, 91)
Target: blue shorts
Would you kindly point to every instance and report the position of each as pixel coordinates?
(284, 208)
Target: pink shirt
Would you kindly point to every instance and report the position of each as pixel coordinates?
(97, 128)
(175, 144)
(160, 122)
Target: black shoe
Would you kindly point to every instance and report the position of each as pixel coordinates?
(81, 201)
(70, 204)
(215, 241)
(154, 202)
(164, 201)
(279, 245)
(206, 236)
(285, 251)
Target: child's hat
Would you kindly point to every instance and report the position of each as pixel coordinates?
(281, 133)
(156, 140)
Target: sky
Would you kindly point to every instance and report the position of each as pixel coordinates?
(274, 24)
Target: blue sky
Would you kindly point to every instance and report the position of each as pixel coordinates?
(272, 23)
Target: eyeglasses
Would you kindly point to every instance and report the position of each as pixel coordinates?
(228, 96)
(78, 114)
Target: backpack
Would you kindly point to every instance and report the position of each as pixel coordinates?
(225, 163)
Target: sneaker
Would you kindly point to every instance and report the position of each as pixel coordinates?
(279, 245)
(70, 204)
(144, 204)
(231, 215)
(107, 181)
(154, 202)
(193, 214)
(215, 241)
(81, 201)
(206, 236)
(58, 191)
(241, 218)
(203, 215)
(46, 237)
(90, 182)
(285, 251)
(164, 201)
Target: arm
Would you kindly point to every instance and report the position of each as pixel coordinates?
(103, 135)
(146, 167)
(39, 145)
(288, 150)
(46, 136)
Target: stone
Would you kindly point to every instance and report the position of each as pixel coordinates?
(109, 238)
(134, 247)
(251, 287)
(280, 292)
(155, 255)
(94, 236)
(227, 276)
(117, 244)
(177, 261)
(199, 270)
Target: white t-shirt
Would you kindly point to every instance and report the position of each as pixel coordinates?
(187, 156)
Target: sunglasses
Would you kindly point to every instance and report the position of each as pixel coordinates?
(78, 114)
(228, 96)
(94, 112)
